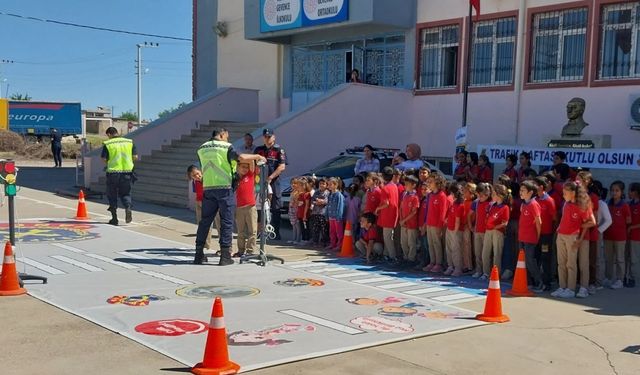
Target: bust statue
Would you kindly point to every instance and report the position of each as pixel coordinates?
(575, 110)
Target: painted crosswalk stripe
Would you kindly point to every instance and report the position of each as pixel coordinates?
(160, 262)
(182, 257)
(111, 261)
(77, 263)
(335, 269)
(396, 285)
(416, 292)
(372, 280)
(322, 322)
(168, 278)
(41, 266)
(309, 265)
(70, 248)
(346, 275)
(452, 297)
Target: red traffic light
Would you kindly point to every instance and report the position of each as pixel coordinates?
(9, 167)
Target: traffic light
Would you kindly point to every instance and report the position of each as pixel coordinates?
(8, 173)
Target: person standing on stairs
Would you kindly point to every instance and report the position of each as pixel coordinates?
(119, 154)
(276, 162)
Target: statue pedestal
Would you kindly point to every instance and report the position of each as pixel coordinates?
(584, 141)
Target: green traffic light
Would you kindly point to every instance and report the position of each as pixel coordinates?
(10, 190)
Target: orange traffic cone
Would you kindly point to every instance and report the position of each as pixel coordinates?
(216, 354)
(81, 214)
(347, 243)
(9, 284)
(520, 287)
(493, 305)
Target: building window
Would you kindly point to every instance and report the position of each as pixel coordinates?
(620, 34)
(439, 57)
(559, 44)
(494, 45)
(384, 61)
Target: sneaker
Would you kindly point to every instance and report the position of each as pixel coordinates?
(428, 267)
(538, 288)
(437, 269)
(507, 275)
(456, 273)
(567, 293)
(484, 277)
(631, 283)
(558, 292)
(476, 275)
(606, 283)
(582, 293)
(616, 285)
(449, 271)
(128, 216)
(592, 289)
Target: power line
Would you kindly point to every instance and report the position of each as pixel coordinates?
(92, 27)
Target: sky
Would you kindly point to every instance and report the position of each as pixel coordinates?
(97, 68)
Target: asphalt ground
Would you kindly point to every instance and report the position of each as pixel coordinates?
(597, 335)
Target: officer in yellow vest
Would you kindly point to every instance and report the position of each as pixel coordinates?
(218, 160)
(119, 154)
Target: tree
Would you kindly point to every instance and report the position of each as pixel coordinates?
(169, 111)
(24, 97)
(129, 116)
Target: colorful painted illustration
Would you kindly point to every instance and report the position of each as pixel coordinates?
(364, 301)
(299, 282)
(267, 336)
(51, 231)
(172, 327)
(137, 301)
(382, 324)
(436, 314)
(212, 291)
(408, 309)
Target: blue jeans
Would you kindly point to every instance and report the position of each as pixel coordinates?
(215, 200)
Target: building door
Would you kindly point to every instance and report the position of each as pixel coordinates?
(316, 70)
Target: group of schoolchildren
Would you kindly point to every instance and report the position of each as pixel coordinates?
(416, 219)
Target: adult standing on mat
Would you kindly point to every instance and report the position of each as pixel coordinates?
(276, 162)
(218, 160)
(119, 154)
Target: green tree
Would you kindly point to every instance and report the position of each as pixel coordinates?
(169, 111)
(129, 116)
(24, 97)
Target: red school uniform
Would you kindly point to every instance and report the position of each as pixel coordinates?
(467, 208)
(245, 193)
(634, 207)
(456, 211)
(556, 194)
(620, 212)
(515, 209)
(595, 205)
(484, 174)
(481, 209)
(373, 200)
(496, 215)
(372, 234)
(547, 212)
(199, 190)
(302, 202)
(512, 173)
(424, 208)
(572, 219)
(529, 212)
(389, 216)
(409, 202)
(437, 210)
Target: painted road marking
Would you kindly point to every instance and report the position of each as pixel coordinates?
(416, 292)
(452, 297)
(345, 275)
(373, 280)
(309, 265)
(41, 266)
(111, 261)
(155, 261)
(70, 248)
(168, 278)
(336, 269)
(322, 322)
(397, 285)
(77, 263)
(182, 257)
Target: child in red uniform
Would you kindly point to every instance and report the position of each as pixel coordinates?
(477, 220)
(585, 179)
(497, 220)
(304, 209)
(372, 197)
(529, 229)
(454, 233)
(409, 219)
(633, 269)
(246, 213)
(510, 169)
(485, 173)
(548, 215)
(615, 238)
(436, 214)
(371, 242)
(422, 222)
(387, 212)
(575, 222)
(469, 195)
(195, 175)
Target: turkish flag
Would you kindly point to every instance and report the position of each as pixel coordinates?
(476, 5)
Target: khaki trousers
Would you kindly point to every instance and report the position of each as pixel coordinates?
(478, 242)
(435, 245)
(467, 250)
(568, 262)
(492, 250)
(409, 243)
(207, 243)
(614, 259)
(246, 225)
(454, 249)
(377, 249)
(389, 244)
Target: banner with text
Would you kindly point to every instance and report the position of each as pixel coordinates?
(585, 158)
(291, 14)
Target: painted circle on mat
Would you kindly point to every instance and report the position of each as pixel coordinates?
(52, 231)
(212, 291)
(299, 282)
(172, 327)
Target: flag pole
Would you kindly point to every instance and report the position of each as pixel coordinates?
(467, 76)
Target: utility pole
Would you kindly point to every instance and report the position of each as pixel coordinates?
(3, 61)
(139, 73)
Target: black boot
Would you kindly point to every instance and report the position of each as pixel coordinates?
(225, 257)
(200, 257)
(128, 216)
(114, 216)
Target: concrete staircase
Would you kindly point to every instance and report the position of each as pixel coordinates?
(162, 175)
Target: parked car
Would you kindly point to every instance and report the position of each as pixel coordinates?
(342, 166)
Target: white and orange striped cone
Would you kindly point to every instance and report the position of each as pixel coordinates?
(493, 305)
(216, 353)
(9, 283)
(520, 287)
(81, 213)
